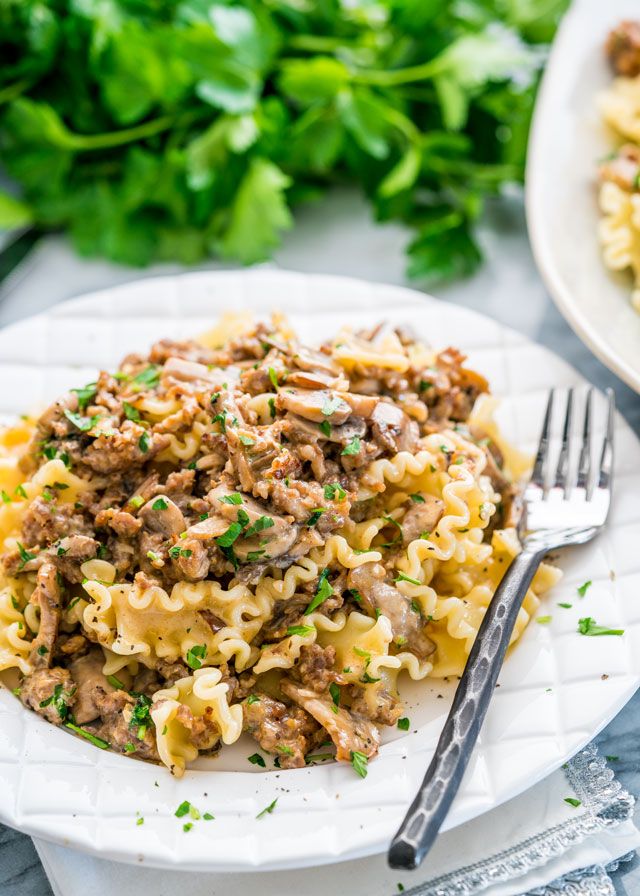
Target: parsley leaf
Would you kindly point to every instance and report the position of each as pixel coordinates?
(257, 759)
(403, 724)
(268, 809)
(334, 490)
(352, 448)
(195, 655)
(582, 590)
(301, 630)
(233, 498)
(84, 424)
(323, 591)
(359, 762)
(588, 626)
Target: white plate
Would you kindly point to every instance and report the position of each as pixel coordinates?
(552, 697)
(567, 139)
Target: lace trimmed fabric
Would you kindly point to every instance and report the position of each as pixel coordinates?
(606, 803)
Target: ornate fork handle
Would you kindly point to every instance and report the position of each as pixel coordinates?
(473, 695)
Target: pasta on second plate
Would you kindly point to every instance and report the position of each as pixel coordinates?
(243, 533)
(619, 172)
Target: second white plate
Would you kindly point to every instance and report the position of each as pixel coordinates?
(567, 140)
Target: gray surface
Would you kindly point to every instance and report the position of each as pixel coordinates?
(338, 237)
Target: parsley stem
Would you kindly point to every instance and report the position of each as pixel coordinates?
(108, 140)
(12, 91)
(392, 77)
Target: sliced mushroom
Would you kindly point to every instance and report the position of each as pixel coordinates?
(318, 406)
(392, 429)
(351, 733)
(160, 514)
(421, 517)
(378, 595)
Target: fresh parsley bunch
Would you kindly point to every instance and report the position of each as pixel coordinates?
(156, 129)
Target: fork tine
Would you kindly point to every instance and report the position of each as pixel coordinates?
(584, 464)
(539, 468)
(562, 471)
(606, 458)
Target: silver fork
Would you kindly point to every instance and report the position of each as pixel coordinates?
(562, 510)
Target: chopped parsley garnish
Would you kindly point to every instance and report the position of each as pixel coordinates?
(315, 516)
(25, 556)
(84, 424)
(352, 448)
(233, 498)
(214, 397)
(359, 762)
(415, 606)
(183, 809)
(151, 555)
(368, 679)
(262, 523)
(5, 497)
(403, 724)
(612, 758)
(333, 490)
(230, 536)
(257, 759)
(195, 655)
(417, 499)
(20, 490)
(252, 556)
(543, 620)
(403, 577)
(253, 698)
(96, 741)
(325, 428)
(143, 442)
(572, 801)
(85, 394)
(59, 702)
(42, 650)
(136, 502)
(363, 653)
(149, 377)
(246, 440)
(301, 630)
(423, 385)
(332, 405)
(208, 816)
(140, 821)
(282, 748)
(115, 682)
(129, 748)
(565, 606)
(323, 591)
(159, 504)
(140, 716)
(194, 813)
(582, 590)
(272, 408)
(334, 690)
(273, 376)
(130, 412)
(318, 757)
(176, 551)
(187, 827)
(354, 594)
(588, 626)
(268, 809)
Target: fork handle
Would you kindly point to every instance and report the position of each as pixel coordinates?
(421, 824)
